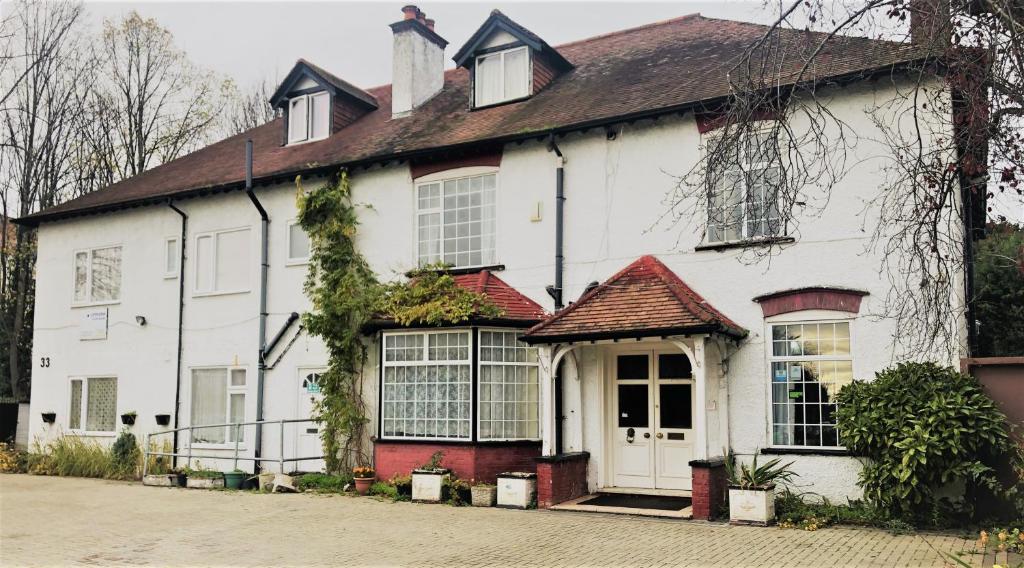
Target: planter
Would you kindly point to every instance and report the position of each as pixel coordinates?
(234, 479)
(164, 480)
(128, 419)
(428, 485)
(484, 495)
(49, 417)
(363, 484)
(517, 490)
(163, 419)
(752, 506)
(205, 482)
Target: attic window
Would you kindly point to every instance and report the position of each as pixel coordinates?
(309, 117)
(502, 76)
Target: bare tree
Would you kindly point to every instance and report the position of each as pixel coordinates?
(958, 58)
(248, 109)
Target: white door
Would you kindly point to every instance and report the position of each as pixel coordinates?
(308, 442)
(652, 398)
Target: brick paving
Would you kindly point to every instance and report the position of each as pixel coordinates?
(64, 521)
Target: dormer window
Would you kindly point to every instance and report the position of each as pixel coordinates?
(309, 117)
(502, 76)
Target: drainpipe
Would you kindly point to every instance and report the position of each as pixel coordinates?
(556, 291)
(264, 270)
(181, 326)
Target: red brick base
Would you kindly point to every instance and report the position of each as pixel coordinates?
(709, 487)
(561, 478)
(481, 463)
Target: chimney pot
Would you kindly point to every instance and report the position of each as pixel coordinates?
(430, 23)
(421, 16)
(410, 12)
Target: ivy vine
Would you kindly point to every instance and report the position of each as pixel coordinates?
(346, 295)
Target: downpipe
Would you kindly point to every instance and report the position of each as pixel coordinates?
(264, 272)
(556, 291)
(181, 325)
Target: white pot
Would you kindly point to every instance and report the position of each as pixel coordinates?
(752, 506)
(428, 485)
(517, 490)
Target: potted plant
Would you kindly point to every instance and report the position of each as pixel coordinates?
(234, 479)
(428, 481)
(484, 494)
(163, 419)
(204, 479)
(752, 490)
(128, 418)
(364, 477)
(49, 417)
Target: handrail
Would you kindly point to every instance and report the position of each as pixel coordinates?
(281, 460)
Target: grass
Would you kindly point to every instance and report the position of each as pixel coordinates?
(72, 456)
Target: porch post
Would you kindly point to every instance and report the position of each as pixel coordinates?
(547, 399)
(700, 450)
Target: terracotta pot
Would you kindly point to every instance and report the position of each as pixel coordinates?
(363, 485)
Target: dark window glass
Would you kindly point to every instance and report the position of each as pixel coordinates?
(675, 406)
(633, 406)
(632, 367)
(674, 366)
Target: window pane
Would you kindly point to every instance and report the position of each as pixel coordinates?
(81, 276)
(632, 367)
(508, 387)
(209, 403)
(232, 271)
(75, 410)
(237, 415)
(488, 80)
(298, 242)
(100, 414)
(517, 68)
(238, 377)
(171, 256)
(106, 274)
(633, 408)
(320, 115)
(426, 398)
(674, 366)
(675, 405)
(297, 120)
(204, 264)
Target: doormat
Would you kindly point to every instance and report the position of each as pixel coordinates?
(657, 502)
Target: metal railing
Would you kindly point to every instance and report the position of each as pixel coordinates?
(236, 427)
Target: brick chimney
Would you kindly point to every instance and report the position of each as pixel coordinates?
(418, 61)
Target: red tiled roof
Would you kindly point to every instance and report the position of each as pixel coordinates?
(644, 299)
(515, 305)
(663, 67)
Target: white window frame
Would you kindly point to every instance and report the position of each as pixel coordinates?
(479, 384)
(170, 274)
(793, 318)
(83, 409)
(440, 178)
(743, 167)
(504, 99)
(468, 362)
(229, 441)
(296, 261)
(307, 136)
(196, 292)
(87, 302)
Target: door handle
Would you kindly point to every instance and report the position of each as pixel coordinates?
(630, 434)
(659, 435)
(647, 434)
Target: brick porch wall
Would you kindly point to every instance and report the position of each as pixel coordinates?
(709, 487)
(561, 478)
(479, 462)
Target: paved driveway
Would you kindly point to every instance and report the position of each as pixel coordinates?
(65, 521)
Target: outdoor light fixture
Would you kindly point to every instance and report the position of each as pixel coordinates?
(141, 320)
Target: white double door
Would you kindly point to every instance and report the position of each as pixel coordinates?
(652, 399)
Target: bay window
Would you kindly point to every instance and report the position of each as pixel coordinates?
(810, 362)
(218, 397)
(502, 76)
(744, 202)
(508, 388)
(455, 221)
(97, 275)
(93, 405)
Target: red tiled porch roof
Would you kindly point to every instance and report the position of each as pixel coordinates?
(644, 299)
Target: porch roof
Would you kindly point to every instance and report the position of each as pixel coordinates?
(645, 299)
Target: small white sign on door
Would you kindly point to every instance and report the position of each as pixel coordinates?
(94, 325)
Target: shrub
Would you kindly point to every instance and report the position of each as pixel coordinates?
(403, 484)
(384, 489)
(755, 476)
(793, 511)
(459, 492)
(125, 456)
(12, 460)
(322, 482)
(923, 427)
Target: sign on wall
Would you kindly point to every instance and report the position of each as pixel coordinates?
(94, 325)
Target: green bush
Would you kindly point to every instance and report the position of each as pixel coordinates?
(125, 455)
(924, 428)
(322, 482)
(384, 489)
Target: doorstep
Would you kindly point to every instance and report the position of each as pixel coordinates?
(576, 505)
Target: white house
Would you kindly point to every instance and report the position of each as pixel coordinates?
(526, 167)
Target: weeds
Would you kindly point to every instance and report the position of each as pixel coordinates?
(322, 482)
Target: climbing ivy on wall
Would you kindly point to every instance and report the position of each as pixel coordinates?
(345, 295)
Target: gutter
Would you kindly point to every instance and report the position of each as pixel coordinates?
(181, 324)
(264, 272)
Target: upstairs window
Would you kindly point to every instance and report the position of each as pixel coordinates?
(455, 221)
(98, 275)
(309, 117)
(744, 204)
(502, 76)
(222, 262)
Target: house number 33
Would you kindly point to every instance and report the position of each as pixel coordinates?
(44, 362)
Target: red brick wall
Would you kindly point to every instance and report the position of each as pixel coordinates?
(709, 488)
(480, 463)
(561, 480)
(543, 73)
